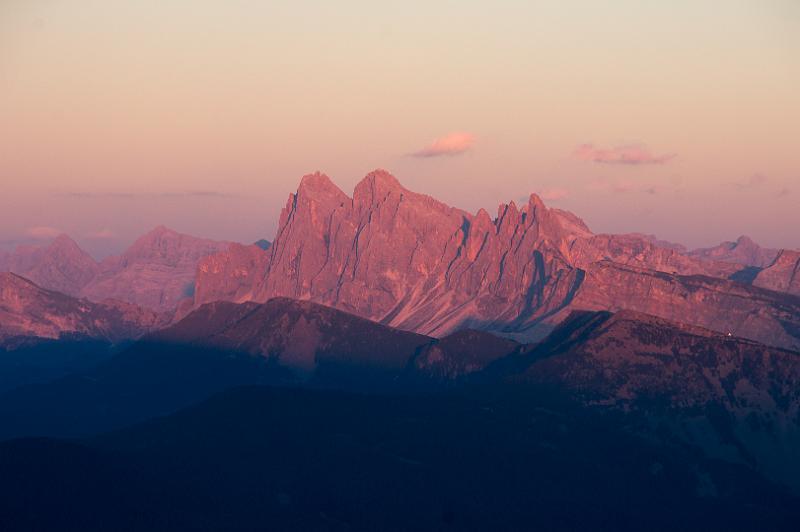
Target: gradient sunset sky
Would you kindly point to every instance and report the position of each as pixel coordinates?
(678, 118)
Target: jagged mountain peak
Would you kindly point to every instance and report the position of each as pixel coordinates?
(156, 271)
(64, 240)
(65, 243)
(163, 229)
(382, 178)
(535, 203)
(376, 187)
(162, 239)
(58, 265)
(482, 214)
(741, 251)
(158, 232)
(317, 183)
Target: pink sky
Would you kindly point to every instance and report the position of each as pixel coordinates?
(676, 118)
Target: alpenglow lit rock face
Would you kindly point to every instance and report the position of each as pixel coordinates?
(231, 275)
(410, 261)
(783, 274)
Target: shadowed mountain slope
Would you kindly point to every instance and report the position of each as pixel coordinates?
(735, 398)
(311, 460)
(224, 344)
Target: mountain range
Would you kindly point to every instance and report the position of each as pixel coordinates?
(155, 272)
(27, 310)
(222, 344)
(407, 260)
(391, 362)
(707, 420)
(623, 361)
(743, 251)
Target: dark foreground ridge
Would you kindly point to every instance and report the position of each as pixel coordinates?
(295, 459)
(618, 421)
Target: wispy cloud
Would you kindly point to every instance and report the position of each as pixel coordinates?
(657, 189)
(554, 194)
(762, 184)
(449, 145)
(623, 186)
(101, 234)
(42, 232)
(754, 181)
(148, 195)
(632, 154)
(617, 186)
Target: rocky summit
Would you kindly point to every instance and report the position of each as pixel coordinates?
(60, 265)
(156, 271)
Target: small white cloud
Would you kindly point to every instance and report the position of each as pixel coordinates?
(452, 144)
(755, 180)
(554, 194)
(632, 154)
(101, 234)
(618, 186)
(42, 232)
(622, 186)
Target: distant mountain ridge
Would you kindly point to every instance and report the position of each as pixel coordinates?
(27, 310)
(60, 265)
(743, 251)
(157, 271)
